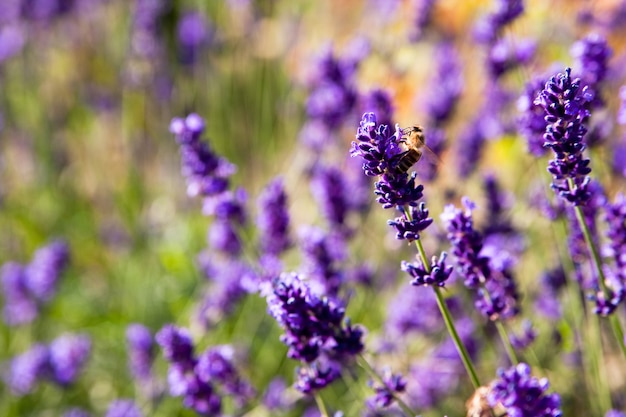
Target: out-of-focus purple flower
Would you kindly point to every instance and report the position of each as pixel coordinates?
(490, 26)
(19, 307)
(176, 344)
(616, 232)
(436, 275)
(68, 354)
(198, 395)
(230, 279)
(393, 384)
(505, 55)
(440, 372)
(614, 413)
(216, 366)
(206, 173)
(523, 395)
(621, 114)
(27, 369)
(123, 408)
(222, 236)
(315, 331)
(193, 32)
(497, 204)
(378, 101)
(531, 122)
(565, 102)
(491, 277)
(466, 244)
(445, 87)
(27, 287)
(316, 376)
(12, 40)
(140, 352)
(322, 253)
(523, 340)
(547, 302)
(330, 190)
(332, 95)
(43, 271)
(422, 19)
(273, 218)
(410, 226)
(274, 397)
(592, 54)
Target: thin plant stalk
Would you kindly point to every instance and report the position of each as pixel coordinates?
(447, 318)
(405, 408)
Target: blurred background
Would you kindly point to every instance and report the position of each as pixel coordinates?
(87, 92)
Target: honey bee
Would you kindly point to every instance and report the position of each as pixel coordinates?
(414, 144)
(477, 405)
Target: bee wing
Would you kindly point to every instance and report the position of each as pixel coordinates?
(428, 165)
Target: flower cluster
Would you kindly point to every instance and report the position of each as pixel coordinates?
(565, 102)
(197, 379)
(495, 287)
(273, 218)
(315, 331)
(490, 26)
(123, 408)
(379, 149)
(392, 384)
(27, 287)
(593, 53)
(437, 274)
(141, 356)
(523, 395)
(60, 362)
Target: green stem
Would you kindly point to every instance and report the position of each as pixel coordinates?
(507, 342)
(615, 324)
(320, 404)
(447, 317)
(365, 364)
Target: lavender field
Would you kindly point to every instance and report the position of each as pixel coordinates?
(224, 208)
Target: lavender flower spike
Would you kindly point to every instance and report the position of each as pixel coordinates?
(565, 103)
(68, 354)
(438, 275)
(140, 351)
(523, 395)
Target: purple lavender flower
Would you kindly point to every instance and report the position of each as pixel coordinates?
(552, 282)
(376, 145)
(445, 87)
(409, 226)
(140, 352)
(322, 254)
(273, 218)
(523, 395)
(313, 331)
(206, 173)
(176, 344)
(466, 244)
(332, 95)
(216, 366)
(68, 354)
(378, 102)
(593, 53)
(12, 40)
(497, 204)
(393, 384)
(193, 33)
(565, 103)
(422, 19)
(316, 376)
(330, 190)
(523, 340)
(123, 408)
(178, 349)
(27, 369)
(531, 122)
(274, 397)
(437, 275)
(614, 413)
(43, 271)
(19, 307)
(505, 56)
(490, 26)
